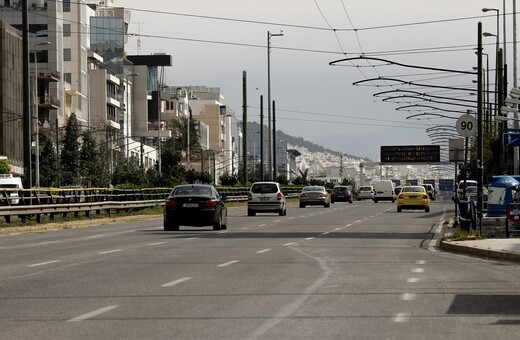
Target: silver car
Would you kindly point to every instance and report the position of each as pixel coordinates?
(314, 195)
(365, 192)
(266, 197)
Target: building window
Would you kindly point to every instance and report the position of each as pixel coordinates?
(67, 54)
(67, 77)
(66, 5)
(66, 30)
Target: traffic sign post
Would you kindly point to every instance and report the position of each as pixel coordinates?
(467, 125)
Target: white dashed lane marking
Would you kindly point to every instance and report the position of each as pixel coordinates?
(413, 280)
(109, 251)
(263, 251)
(228, 263)
(408, 297)
(156, 243)
(401, 317)
(42, 263)
(176, 282)
(93, 314)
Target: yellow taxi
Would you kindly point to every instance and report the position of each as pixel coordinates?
(413, 197)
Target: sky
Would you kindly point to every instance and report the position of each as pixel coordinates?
(213, 42)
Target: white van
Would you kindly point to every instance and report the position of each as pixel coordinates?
(10, 186)
(469, 183)
(384, 191)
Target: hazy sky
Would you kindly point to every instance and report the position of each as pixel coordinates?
(213, 42)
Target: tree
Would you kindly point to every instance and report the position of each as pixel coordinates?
(5, 168)
(70, 161)
(172, 171)
(180, 126)
(49, 173)
(89, 160)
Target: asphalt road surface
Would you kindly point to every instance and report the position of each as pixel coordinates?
(352, 271)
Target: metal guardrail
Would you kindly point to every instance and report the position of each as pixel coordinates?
(37, 203)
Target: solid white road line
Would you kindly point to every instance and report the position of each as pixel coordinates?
(192, 238)
(92, 314)
(176, 282)
(228, 263)
(309, 238)
(109, 251)
(95, 236)
(42, 263)
(418, 270)
(289, 244)
(49, 242)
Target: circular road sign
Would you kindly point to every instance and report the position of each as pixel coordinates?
(467, 125)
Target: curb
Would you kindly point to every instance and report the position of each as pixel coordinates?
(485, 253)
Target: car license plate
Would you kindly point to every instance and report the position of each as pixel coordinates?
(190, 205)
(264, 198)
(412, 197)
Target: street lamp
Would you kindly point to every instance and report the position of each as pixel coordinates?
(269, 133)
(36, 113)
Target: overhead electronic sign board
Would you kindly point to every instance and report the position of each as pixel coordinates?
(411, 154)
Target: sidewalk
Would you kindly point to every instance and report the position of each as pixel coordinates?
(507, 249)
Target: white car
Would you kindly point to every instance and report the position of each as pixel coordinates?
(365, 193)
(266, 197)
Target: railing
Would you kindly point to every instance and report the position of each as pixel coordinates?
(36, 203)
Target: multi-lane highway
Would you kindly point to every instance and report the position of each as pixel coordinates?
(352, 271)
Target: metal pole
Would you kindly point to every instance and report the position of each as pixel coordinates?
(244, 125)
(480, 139)
(516, 150)
(269, 35)
(27, 130)
(37, 137)
(270, 172)
(275, 172)
(262, 138)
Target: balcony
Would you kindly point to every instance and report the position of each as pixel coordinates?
(49, 102)
(49, 75)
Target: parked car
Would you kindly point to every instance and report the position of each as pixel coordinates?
(384, 191)
(314, 195)
(266, 197)
(195, 205)
(460, 187)
(341, 193)
(413, 197)
(430, 189)
(365, 193)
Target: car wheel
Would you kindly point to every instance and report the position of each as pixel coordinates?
(169, 226)
(399, 209)
(375, 201)
(250, 212)
(281, 212)
(218, 224)
(427, 209)
(302, 205)
(350, 201)
(327, 205)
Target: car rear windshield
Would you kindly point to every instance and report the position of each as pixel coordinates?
(197, 191)
(314, 189)
(365, 189)
(341, 189)
(264, 188)
(412, 189)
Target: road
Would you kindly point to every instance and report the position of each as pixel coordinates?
(352, 271)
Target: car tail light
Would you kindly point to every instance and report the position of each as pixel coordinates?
(401, 196)
(303, 195)
(279, 196)
(424, 197)
(170, 204)
(249, 196)
(210, 204)
(323, 195)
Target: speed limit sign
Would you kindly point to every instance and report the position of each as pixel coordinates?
(467, 125)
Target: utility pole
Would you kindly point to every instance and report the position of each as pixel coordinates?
(275, 172)
(27, 159)
(244, 126)
(262, 138)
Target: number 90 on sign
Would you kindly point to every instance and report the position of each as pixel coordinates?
(466, 125)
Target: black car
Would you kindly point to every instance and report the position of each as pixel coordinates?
(341, 193)
(195, 205)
